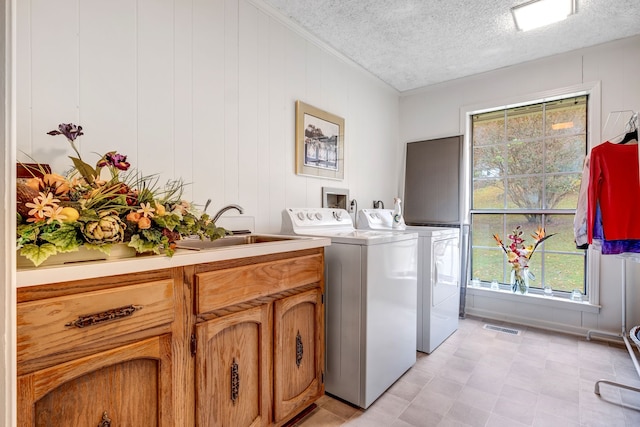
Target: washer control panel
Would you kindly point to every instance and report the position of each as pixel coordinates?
(301, 220)
(375, 219)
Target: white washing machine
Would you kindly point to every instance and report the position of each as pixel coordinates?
(438, 276)
(370, 308)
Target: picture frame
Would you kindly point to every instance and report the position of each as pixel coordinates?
(319, 143)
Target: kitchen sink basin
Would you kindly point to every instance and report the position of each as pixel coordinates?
(251, 239)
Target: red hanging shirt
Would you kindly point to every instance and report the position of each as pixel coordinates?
(614, 183)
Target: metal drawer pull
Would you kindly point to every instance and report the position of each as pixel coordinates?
(105, 316)
(235, 381)
(299, 349)
(106, 421)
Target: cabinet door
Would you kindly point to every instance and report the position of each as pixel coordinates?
(232, 369)
(298, 352)
(129, 385)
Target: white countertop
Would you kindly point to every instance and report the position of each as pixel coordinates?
(62, 273)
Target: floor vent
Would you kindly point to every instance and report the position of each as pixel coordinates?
(510, 331)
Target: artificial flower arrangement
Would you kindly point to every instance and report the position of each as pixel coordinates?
(518, 255)
(59, 214)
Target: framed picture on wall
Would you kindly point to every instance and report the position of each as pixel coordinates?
(319, 143)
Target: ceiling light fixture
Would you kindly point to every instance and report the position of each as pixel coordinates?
(563, 125)
(538, 13)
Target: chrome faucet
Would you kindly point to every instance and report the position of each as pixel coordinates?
(218, 214)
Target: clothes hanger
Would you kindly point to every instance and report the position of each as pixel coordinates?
(630, 136)
(631, 130)
(613, 124)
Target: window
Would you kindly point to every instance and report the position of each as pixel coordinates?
(526, 171)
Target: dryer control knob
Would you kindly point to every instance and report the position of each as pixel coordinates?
(318, 216)
(300, 215)
(310, 216)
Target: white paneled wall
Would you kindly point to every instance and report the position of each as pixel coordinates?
(202, 90)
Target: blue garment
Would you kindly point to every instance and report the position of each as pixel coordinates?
(610, 247)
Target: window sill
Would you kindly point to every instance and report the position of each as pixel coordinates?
(535, 299)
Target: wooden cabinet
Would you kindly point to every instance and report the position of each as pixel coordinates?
(129, 385)
(91, 353)
(260, 340)
(233, 343)
(232, 369)
(298, 353)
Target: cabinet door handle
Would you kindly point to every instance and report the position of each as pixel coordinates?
(106, 421)
(235, 381)
(299, 349)
(105, 316)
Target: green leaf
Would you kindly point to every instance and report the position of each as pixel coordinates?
(65, 238)
(141, 245)
(213, 232)
(152, 235)
(186, 229)
(86, 170)
(167, 221)
(27, 233)
(38, 254)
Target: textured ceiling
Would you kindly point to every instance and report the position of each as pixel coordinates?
(414, 43)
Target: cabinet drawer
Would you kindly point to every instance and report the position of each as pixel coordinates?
(223, 288)
(92, 319)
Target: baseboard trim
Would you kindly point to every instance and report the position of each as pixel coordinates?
(535, 323)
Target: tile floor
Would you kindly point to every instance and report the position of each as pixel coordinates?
(480, 377)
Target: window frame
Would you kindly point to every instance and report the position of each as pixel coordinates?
(510, 173)
(593, 92)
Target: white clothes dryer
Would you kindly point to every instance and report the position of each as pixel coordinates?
(370, 308)
(438, 293)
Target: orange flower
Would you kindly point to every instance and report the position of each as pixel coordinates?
(35, 218)
(58, 182)
(34, 183)
(144, 223)
(133, 216)
(499, 241)
(539, 234)
(53, 178)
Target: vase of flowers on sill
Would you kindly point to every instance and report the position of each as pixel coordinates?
(520, 280)
(102, 207)
(518, 255)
